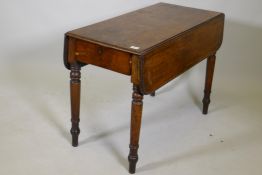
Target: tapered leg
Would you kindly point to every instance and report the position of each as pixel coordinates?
(136, 115)
(75, 85)
(208, 82)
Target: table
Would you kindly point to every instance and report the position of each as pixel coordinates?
(152, 45)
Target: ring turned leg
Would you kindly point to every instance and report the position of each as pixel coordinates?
(75, 85)
(208, 82)
(136, 115)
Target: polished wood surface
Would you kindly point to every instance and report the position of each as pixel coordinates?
(160, 66)
(152, 46)
(105, 57)
(145, 28)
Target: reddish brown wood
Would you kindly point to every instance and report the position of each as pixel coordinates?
(208, 82)
(136, 115)
(65, 54)
(181, 53)
(153, 45)
(101, 56)
(146, 28)
(75, 84)
(136, 69)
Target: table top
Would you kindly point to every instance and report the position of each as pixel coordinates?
(142, 30)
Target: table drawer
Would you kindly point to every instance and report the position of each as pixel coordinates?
(101, 56)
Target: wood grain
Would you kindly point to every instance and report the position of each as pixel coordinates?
(152, 45)
(101, 56)
(167, 62)
(146, 28)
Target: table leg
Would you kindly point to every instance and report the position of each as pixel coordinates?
(208, 82)
(75, 85)
(153, 94)
(136, 115)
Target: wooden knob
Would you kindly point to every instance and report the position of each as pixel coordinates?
(80, 53)
(100, 51)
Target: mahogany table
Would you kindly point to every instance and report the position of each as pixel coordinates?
(152, 45)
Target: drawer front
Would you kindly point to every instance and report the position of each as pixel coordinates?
(101, 56)
(170, 60)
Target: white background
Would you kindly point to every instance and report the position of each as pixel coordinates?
(34, 98)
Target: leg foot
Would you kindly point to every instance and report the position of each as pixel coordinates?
(75, 131)
(206, 101)
(208, 82)
(136, 115)
(75, 84)
(153, 94)
(132, 158)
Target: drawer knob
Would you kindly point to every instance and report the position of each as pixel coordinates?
(80, 53)
(100, 51)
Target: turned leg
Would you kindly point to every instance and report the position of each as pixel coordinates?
(153, 94)
(136, 114)
(208, 82)
(75, 84)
